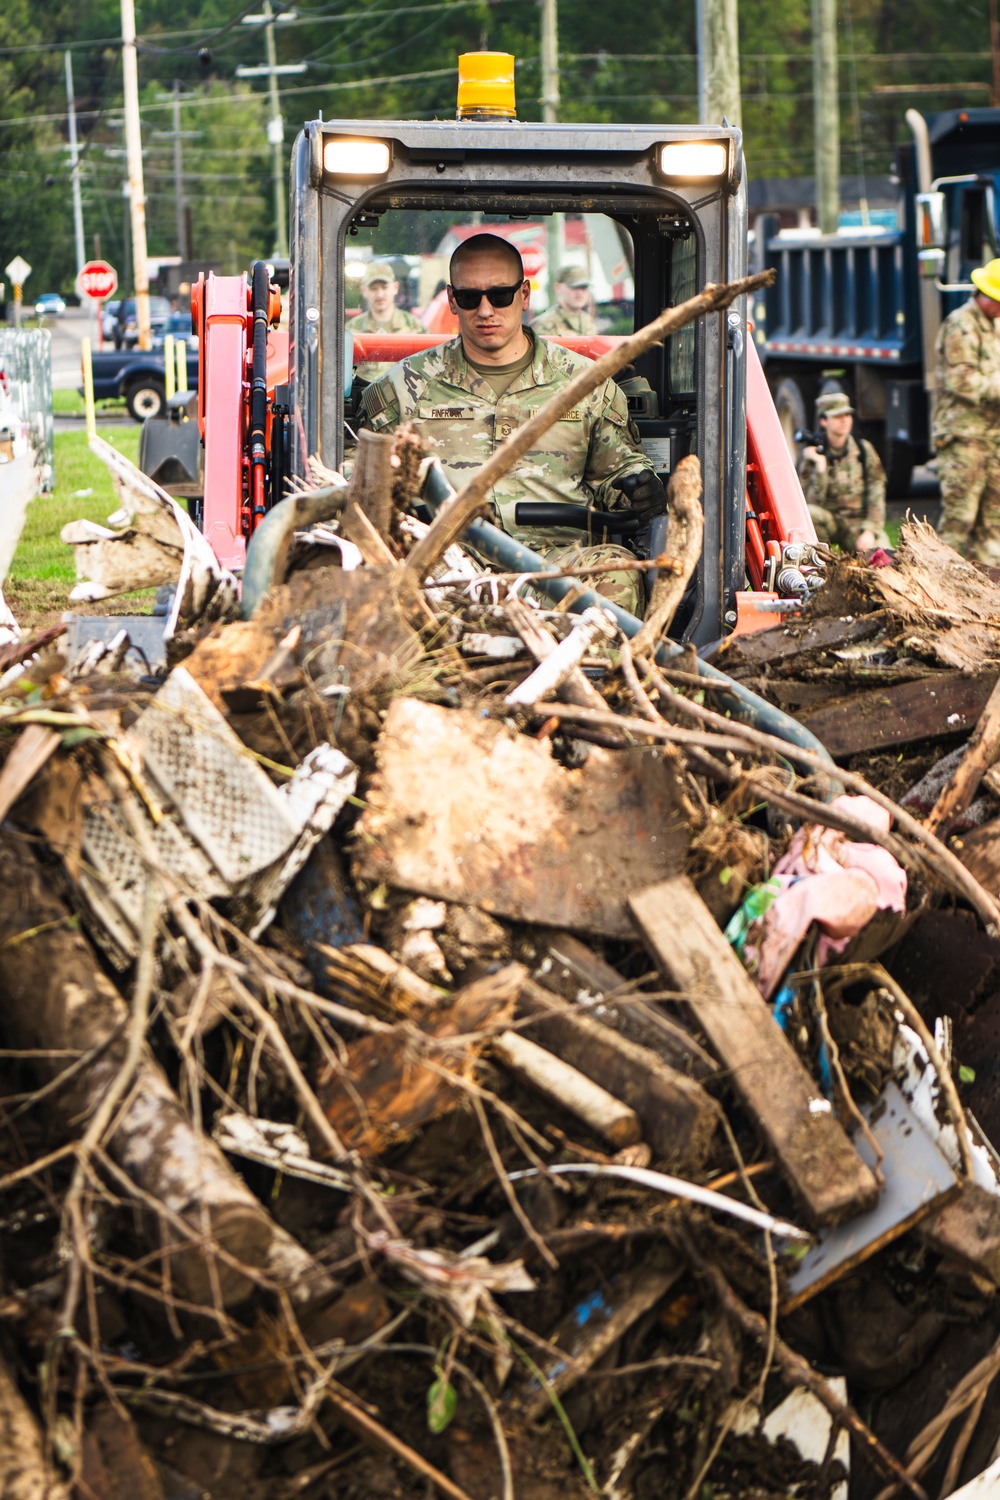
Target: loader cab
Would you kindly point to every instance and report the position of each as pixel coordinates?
(654, 213)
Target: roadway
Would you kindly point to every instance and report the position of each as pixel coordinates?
(67, 333)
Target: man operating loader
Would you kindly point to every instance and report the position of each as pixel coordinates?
(467, 396)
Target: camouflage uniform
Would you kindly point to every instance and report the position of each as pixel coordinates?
(967, 433)
(400, 321)
(847, 497)
(463, 422)
(557, 321)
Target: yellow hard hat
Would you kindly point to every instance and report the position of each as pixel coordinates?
(987, 280)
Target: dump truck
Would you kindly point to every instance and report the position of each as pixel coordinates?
(860, 309)
(674, 197)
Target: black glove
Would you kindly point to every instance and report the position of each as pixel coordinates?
(643, 493)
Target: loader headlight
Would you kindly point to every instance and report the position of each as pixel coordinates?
(352, 158)
(694, 160)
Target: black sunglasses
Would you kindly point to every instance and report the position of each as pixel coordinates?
(469, 297)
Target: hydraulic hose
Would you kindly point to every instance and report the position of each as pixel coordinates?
(260, 297)
(269, 547)
(510, 556)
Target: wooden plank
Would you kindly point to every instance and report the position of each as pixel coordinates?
(917, 1179)
(579, 974)
(593, 1326)
(678, 1117)
(813, 1151)
(948, 703)
(968, 1230)
(796, 638)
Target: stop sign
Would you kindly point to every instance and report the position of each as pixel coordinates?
(97, 280)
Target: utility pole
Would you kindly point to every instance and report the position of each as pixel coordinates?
(137, 191)
(718, 62)
(275, 125)
(550, 114)
(826, 114)
(177, 135)
(74, 162)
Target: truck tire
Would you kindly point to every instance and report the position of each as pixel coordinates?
(898, 461)
(791, 408)
(146, 397)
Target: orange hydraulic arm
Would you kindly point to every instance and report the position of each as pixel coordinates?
(222, 316)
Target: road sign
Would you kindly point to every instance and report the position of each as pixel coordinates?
(97, 280)
(18, 270)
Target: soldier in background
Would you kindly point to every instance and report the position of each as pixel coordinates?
(467, 396)
(380, 290)
(572, 311)
(967, 421)
(844, 482)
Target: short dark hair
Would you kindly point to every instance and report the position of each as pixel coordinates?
(481, 244)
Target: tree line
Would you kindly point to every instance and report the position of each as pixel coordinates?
(383, 59)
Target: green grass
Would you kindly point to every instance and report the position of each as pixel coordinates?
(70, 404)
(43, 571)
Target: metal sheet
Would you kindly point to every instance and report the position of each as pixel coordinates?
(917, 1178)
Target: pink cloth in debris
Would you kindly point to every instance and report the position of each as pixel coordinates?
(830, 880)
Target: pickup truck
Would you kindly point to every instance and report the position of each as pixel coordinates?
(138, 376)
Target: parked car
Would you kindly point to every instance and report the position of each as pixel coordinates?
(178, 325)
(109, 312)
(50, 305)
(125, 333)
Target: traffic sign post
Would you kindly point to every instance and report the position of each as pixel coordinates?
(96, 281)
(18, 270)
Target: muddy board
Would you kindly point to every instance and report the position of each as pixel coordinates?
(947, 704)
(464, 809)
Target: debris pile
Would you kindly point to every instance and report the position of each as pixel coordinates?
(453, 1051)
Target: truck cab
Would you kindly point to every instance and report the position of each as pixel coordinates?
(656, 211)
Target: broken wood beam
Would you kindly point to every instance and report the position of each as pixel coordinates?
(580, 975)
(564, 660)
(685, 530)
(577, 688)
(678, 1117)
(811, 1147)
(980, 753)
(944, 703)
(55, 998)
(371, 480)
(566, 1086)
(385, 1091)
(968, 1230)
(591, 1328)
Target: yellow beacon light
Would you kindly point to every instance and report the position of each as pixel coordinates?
(486, 86)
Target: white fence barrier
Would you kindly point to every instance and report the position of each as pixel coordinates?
(26, 364)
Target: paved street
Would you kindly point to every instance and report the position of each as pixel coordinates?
(76, 323)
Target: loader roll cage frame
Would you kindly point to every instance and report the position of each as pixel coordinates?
(530, 172)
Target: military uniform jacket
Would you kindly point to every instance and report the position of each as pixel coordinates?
(400, 321)
(852, 491)
(559, 320)
(456, 412)
(968, 377)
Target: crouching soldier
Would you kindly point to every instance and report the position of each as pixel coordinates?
(844, 481)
